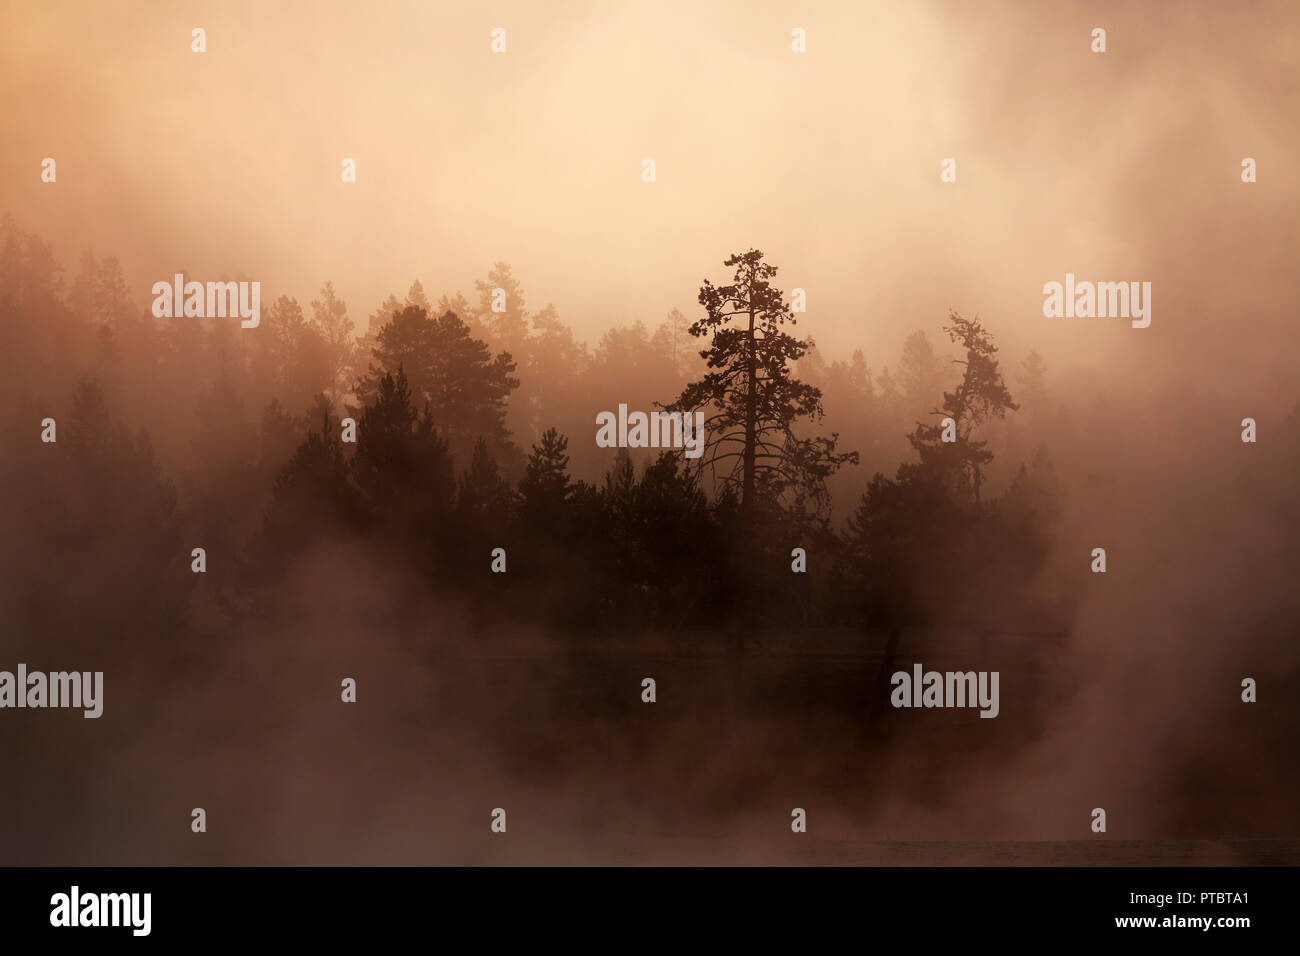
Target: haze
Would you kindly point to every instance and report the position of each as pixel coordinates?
(1123, 165)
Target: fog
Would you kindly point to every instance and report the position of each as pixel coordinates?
(1120, 690)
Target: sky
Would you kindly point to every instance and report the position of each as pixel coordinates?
(1117, 166)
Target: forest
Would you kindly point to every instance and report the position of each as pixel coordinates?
(499, 584)
(475, 431)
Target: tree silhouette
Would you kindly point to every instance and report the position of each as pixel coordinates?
(1033, 379)
(753, 398)
(482, 494)
(112, 516)
(313, 496)
(553, 356)
(290, 358)
(509, 327)
(676, 329)
(545, 488)
(331, 322)
(401, 466)
(979, 396)
(558, 525)
(453, 374)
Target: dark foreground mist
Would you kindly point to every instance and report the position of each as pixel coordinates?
(555, 732)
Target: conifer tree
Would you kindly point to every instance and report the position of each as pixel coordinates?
(753, 399)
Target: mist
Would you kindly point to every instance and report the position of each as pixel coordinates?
(523, 171)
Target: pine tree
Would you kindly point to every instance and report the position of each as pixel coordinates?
(313, 495)
(401, 466)
(508, 328)
(752, 397)
(619, 493)
(1033, 378)
(482, 494)
(979, 396)
(464, 387)
(331, 322)
(112, 516)
(546, 487)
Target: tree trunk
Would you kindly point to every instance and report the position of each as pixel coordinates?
(751, 424)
